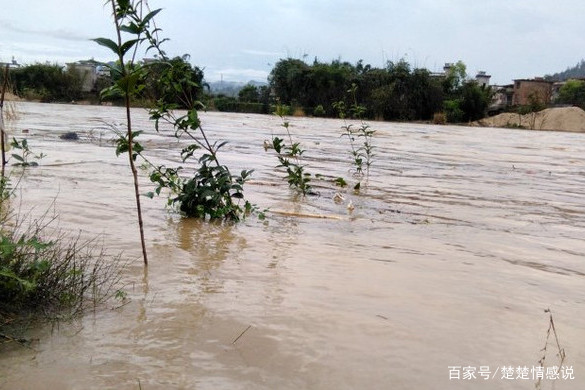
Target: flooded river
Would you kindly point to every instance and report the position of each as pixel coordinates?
(460, 240)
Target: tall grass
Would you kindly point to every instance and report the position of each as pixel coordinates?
(46, 273)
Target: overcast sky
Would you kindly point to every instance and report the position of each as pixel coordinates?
(242, 40)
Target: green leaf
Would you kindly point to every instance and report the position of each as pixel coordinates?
(124, 4)
(127, 46)
(150, 16)
(128, 83)
(340, 181)
(9, 274)
(107, 43)
(42, 266)
(39, 245)
(15, 144)
(17, 157)
(246, 173)
(131, 28)
(221, 144)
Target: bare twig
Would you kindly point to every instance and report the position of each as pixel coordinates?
(2, 134)
(561, 351)
(241, 334)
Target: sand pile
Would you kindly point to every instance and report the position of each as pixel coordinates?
(563, 119)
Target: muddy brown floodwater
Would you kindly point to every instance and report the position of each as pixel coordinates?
(460, 241)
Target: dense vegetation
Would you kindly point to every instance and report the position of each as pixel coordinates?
(572, 92)
(396, 92)
(47, 82)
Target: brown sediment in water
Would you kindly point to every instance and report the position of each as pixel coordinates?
(570, 119)
(458, 242)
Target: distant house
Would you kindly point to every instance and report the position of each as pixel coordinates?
(483, 79)
(88, 72)
(11, 65)
(501, 99)
(535, 91)
(556, 87)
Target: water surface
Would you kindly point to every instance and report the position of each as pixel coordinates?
(460, 240)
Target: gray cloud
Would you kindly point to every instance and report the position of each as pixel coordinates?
(508, 39)
(59, 33)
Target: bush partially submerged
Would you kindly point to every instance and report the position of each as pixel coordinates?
(50, 275)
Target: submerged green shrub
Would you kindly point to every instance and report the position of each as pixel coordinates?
(212, 192)
(50, 274)
(361, 152)
(289, 156)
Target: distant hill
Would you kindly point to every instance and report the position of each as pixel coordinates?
(578, 71)
(231, 88)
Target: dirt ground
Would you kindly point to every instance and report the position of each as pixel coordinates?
(11, 97)
(561, 119)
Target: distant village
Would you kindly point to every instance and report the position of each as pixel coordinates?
(522, 92)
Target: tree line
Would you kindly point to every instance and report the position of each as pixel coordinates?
(46, 82)
(397, 91)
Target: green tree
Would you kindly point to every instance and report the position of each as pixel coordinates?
(249, 94)
(425, 95)
(475, 100)
(572, 92)
(370, 91)
(453, 111)
(175, 81)
(47, 82)
(455, 78)
(289, 80)
(328, 83)
(392, 99)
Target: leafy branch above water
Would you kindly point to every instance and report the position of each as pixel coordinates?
(362, 154)
(289, 157)
(26, 155)
(213, 191)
